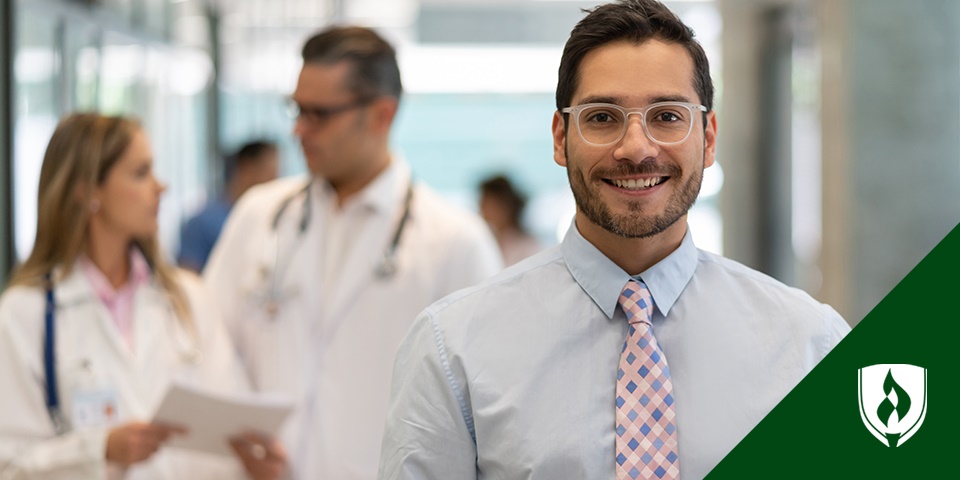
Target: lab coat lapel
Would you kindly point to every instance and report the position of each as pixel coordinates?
(151, 312)
(76, 295)
(76, 292)
(385, 203)
(155, 342)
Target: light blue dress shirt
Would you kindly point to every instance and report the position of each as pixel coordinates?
(516, 378)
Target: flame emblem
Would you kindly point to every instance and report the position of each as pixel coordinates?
(893, 401)
(887, 407)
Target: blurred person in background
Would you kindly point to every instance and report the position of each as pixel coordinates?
(95, 324)
(321, 276)
(501, 206)
(254, 163)
(625, 351)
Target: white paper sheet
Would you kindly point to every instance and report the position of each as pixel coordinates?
(213, 418)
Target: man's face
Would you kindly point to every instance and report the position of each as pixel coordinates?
(633, 76)
(337, 147)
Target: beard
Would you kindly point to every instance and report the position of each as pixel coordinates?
(639, 221)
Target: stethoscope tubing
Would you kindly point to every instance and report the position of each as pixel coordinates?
(49, 361)
(384, 270)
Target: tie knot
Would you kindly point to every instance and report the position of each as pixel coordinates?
(636, 302)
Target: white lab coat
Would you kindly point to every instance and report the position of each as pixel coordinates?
(90, 352)
(332, 346)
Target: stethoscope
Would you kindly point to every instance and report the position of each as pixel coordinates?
(188, 353)
(385, 269)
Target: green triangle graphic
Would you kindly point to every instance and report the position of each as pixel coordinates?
(816, 431)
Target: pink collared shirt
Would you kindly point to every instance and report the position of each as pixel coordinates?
(119, 301)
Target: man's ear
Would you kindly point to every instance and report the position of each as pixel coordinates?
(710, 140)
(559, 139)
(382, 112)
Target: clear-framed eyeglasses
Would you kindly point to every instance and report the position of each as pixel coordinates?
(665, 123)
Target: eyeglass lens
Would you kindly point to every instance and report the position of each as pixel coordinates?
(668, 123)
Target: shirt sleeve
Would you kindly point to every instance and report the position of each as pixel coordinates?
(835, 329)
(428, 432)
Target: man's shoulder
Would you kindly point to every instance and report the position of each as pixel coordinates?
(768, 301)
(266, 197)
(732, 274)
(256, 208)
(273, 192)
(509, 285)
(433, 207)
(445, 219)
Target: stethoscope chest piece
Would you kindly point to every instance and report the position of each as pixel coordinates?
(387, 267)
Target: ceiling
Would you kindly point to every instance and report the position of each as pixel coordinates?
(457, 43)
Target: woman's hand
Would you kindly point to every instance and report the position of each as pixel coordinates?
(137, 441)
(262, 456)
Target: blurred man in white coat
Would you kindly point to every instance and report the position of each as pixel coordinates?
(320, 277)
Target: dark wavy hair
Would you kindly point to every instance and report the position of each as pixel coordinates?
(636, 21)
(375, 71)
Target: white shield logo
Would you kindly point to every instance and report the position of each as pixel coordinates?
(893, 401)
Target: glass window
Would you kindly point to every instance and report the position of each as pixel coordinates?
(82, 56)
(175, 116)
(123, 65)
(37, 97)
(120, 8)
(156, 15)
(65, 63)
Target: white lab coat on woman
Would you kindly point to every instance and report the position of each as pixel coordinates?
(328, 333)
(91, 356)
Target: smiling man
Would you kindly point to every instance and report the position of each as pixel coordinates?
(624, 352)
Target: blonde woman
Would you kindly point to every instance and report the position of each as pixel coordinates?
(95, 325)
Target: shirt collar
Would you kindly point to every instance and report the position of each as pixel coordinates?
(382, 194)
(603, 280)
(668, 277)
(139, 274)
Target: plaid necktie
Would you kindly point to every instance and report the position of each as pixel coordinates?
(646, 419)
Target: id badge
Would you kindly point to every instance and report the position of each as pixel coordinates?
(95, 408)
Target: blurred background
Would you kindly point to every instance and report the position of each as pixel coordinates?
(839, 148)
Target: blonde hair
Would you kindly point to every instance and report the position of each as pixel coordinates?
(81, 153)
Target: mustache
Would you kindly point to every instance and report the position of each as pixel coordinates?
(642, 168)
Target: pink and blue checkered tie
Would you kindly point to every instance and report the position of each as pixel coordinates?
(646, 419)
